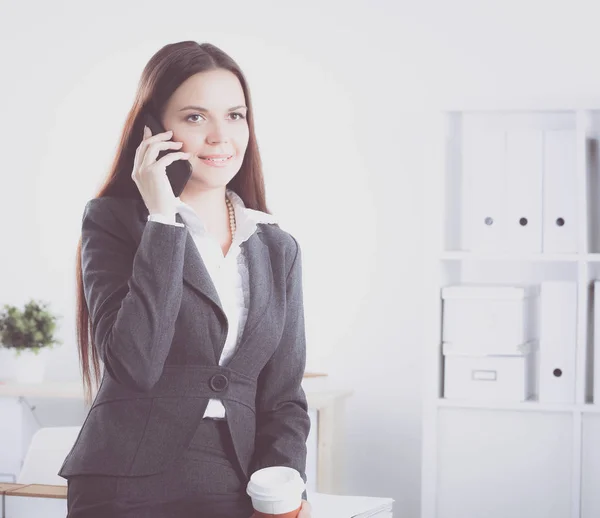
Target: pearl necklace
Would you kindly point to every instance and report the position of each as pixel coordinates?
(232, 224)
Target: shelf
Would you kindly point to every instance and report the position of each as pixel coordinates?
(530, 406)
(502, 183)
(470, 256)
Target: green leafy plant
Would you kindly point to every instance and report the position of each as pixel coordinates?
(31, 328)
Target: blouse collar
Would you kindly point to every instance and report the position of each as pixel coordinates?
(246, 219)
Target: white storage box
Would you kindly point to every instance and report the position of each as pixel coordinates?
(490, 378)
(493, 319)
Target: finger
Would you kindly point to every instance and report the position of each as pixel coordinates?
(152, 151)
(305, 510)
(165, 135)
(140, 150)
(159, 137)
(171, 157)
(144, 137)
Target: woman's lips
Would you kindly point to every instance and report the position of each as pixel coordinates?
(216, 163)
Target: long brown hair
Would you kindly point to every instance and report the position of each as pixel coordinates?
(163, 74)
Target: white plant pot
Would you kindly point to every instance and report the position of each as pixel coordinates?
(29, 367)
(7, 364)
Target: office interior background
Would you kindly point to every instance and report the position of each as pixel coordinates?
(347, 97)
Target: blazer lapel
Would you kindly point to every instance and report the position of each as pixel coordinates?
(194, 269)
(261, 284)
(196, 274)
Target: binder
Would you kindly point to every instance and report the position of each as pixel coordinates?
(560, 192)
(558, 341)
(484, 156)
(596, 334)
(524, 172)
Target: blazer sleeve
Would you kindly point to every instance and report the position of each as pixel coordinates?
(133, 294)
(282, 417)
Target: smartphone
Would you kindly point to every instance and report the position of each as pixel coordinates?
(179, 171)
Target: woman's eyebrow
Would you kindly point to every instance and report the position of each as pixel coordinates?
(200, 109)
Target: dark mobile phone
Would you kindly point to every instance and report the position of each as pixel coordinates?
(179, 171)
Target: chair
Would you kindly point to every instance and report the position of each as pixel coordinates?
(45, 456)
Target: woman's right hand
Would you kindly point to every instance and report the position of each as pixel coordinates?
(150, 174)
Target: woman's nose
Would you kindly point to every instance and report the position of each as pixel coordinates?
(217, 133)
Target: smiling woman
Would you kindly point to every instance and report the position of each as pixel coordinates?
(214, 132)
(192, 304)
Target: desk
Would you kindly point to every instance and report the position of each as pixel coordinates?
(324, 505)
(32, 491)
(328, 405)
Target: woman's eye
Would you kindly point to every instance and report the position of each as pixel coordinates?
(193, 115)
(241, 116)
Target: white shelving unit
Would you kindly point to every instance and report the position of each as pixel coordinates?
(517, 460)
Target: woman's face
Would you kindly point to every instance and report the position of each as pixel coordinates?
(208, 114)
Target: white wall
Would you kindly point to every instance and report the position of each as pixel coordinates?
(341, 92)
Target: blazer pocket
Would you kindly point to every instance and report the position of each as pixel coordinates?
(169, 430)
(109, 438)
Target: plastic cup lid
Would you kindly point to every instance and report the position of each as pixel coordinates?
(275, 483)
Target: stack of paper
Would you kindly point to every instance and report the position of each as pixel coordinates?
(335, 506)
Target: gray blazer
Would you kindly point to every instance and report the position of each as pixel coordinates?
(159, 328)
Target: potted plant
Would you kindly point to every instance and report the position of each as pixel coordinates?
(26, 333)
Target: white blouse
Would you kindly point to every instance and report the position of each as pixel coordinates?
(229, 273)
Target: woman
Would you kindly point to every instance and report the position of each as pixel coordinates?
(194, 306)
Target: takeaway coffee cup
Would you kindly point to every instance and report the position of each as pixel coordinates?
(276, 492)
